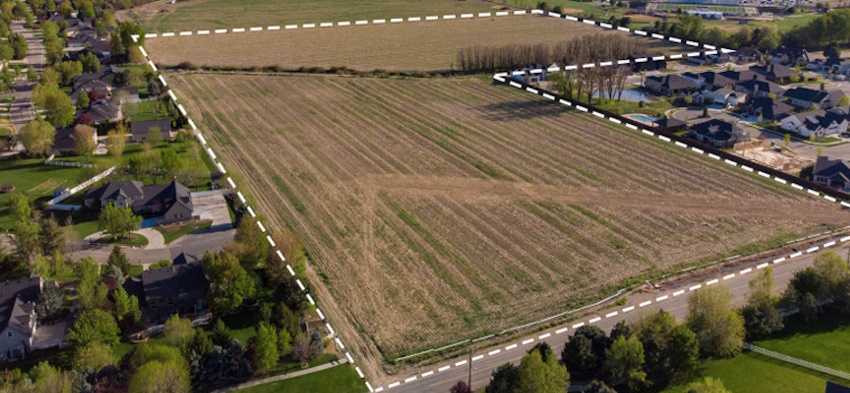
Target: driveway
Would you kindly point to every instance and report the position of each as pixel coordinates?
(193, 244)
(211, 205)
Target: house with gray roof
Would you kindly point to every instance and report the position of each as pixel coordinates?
(832, 173)
(818, 123)
(803, 97)
(18, 321)
(670, 84)
(775, 73)
(755, 88)
(176, 289)
(718, 133)
(171, 202)
(789, 56)
(768, 108)
(139, 129)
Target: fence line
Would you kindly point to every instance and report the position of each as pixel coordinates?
(70, 164)
(799, 362)
(80, 186)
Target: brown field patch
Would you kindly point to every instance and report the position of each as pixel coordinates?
(441, 209)
(417, 46)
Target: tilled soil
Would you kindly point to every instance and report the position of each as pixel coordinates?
(442, 209)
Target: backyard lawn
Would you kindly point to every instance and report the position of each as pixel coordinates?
(172, 234)
(339, 379)
(189, 150)
(34, 179)
(826, 341)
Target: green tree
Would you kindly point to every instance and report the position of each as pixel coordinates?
(127, 307)
(787, 140)
(624, 363)
(92, 356)
(118, 221)
(160, 377)
(707, 385)
(90, 63)
(598, 387)
(834, 271)
(26, 241)
(584, 353)
(230, 284)
(504, 379)
(83, 101)
(760, 314)
(88, 278)
(32, 76)
(179, 332)
(284, 342)
(58, 108)
(19, 207)
(94, 326)
(154, 136)
(536, 376)
(51, 237)
(48, 379)
(717, 325)
(118, 259)
(266, 350)
(19, 46)
(52, 302)
(84, 140)
(254, 243)
(37, 137)
(68, 69)
(116, 140)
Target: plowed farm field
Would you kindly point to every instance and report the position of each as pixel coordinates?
(407, 46)
(442, 209)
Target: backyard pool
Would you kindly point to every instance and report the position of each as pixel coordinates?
(643, 118)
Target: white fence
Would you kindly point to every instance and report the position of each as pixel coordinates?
(51, 203)
(799, 362)
(68, 164)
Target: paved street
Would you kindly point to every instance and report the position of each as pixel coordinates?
(22, 110)
(192, 244)
(673, 300)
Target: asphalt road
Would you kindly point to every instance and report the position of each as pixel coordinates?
(193, 244)
(22, 110)
(673, 300)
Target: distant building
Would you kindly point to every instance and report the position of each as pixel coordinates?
(775, 73)
(803, 97)
(670, 124)
(746, 55)
(177, 289)
(834, 174)
(789, 56)
(139, 129)
(670, 84)
(172, 201)
(18, 321)
(768, 108)
(64, 143)
(759, 88)
(642, 63)
(718, 133)
(837, 66)
(818, 123)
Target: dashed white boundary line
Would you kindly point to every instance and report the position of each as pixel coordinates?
(595, 319)
(480, 15)
(220, 166)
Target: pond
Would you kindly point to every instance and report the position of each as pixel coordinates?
(630, 95)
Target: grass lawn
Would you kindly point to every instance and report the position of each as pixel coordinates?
(85, 228)
(134, 240)
(145, 110)
(753, 373)
(186, 150)
(173, 234)
(339, 379)
(825, 341)
(35, 180)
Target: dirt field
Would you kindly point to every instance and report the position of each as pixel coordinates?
(213, 14)
(418, 46)
(441, 209)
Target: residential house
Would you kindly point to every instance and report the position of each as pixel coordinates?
(102, 89)
(669, 84)
(18, 321)
(832, 173)
(101, 111)
(128, 95)
(177, 289)
(803, 97)
(742, 76)
(775, 73)
(720, 95)
(768, 108)
(64, 142)
(139, 129)
(670, 124)
(746, 55)
(172, 202)
(530, 75)
(789, 56)
(643, 63)
(838, 66)
(818, 123)
(718, 133)
(107, 75)
(718, 58)
(759, 88)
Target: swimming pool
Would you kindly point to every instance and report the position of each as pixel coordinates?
(644, 118)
